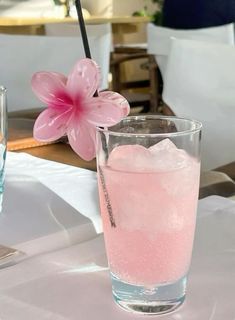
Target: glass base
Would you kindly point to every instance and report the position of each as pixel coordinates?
(161, 299)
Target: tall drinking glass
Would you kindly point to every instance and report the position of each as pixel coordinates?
(148, 173)
(3, 139)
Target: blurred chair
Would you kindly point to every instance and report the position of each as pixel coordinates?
(159, 39)
(22, 56)
(141, 94)
(200, 84)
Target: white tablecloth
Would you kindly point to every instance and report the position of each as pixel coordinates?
(47, 205)
(68, 280)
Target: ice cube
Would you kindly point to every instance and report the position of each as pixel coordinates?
(181, 171)
(163, 156)
(130, 158)
(163, 145)
(168, 157)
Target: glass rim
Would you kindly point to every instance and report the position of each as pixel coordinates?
(198, 127)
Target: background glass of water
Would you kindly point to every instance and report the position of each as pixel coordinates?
(3, 139)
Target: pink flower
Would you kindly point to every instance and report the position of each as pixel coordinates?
(73, 110)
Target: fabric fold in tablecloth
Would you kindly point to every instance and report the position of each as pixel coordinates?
(47, 205)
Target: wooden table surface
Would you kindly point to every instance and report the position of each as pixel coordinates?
(6, 21)
(21, 133)
(60, 152)
(21, 127)
(121, 25)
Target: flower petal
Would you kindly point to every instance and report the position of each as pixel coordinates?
(84, 79)
(118, 99)
(102, 112)
(51, 124)
(50, 87)
(81, 137)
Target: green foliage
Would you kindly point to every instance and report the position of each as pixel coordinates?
(156, 16)
(57, 2)
(141, 13)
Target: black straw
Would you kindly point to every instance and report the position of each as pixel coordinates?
(83, 33)
(83, 29)
(88, 55)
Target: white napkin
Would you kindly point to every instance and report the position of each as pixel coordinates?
(47, 205)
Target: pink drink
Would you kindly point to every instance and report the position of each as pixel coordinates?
(153, 197)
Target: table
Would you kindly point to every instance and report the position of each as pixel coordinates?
(20, 137)
(120, 24)
(64, 275)
(20, 133)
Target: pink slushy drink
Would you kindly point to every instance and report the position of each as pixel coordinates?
(152, 194)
